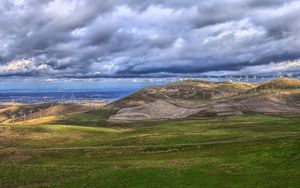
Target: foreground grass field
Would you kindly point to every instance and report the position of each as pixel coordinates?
(85, 151)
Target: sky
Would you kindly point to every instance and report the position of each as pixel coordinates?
(88, 39)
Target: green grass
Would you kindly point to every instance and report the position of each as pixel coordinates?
(92, 118)
(241, 151)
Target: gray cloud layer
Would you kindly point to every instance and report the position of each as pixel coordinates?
(132, 38)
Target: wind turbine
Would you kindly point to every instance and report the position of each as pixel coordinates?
(61, 106)
(41, 113)
(30, 112)
(13, 118)
(72, 98)
(21, 113)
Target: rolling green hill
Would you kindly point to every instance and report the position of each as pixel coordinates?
(242, 151)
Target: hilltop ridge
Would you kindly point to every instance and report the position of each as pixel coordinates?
(183, 99)
(190, 90)
(191, 98)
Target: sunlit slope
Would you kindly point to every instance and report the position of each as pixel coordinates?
(281, 83)
(39, 112)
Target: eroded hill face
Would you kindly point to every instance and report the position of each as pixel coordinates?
(203, 99)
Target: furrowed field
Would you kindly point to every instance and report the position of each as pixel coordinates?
(84, 150)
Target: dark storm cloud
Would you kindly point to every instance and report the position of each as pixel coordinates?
(130, 38)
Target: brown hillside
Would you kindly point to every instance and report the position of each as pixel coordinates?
(185, 99)
(183, 90)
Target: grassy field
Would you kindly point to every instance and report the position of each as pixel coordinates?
(83, 150)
